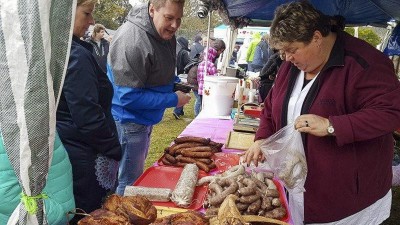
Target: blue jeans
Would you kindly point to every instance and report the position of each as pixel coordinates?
(256, 68)
(250, 67)
(135, 141)
(197, 103)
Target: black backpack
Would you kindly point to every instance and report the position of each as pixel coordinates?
(193, 62)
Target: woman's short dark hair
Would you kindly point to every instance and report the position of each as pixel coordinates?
(297, 21)
(218, 45)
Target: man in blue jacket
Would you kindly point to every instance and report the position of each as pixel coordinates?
(142, 69)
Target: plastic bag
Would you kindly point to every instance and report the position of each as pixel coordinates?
(284, 153)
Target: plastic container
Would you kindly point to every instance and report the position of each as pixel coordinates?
(218, 95)
(231, 72)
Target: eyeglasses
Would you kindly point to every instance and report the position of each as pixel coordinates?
(288, 53)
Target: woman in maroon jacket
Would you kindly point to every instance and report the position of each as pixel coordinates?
(343, 95)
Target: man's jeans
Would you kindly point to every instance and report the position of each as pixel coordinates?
(135, 140)
(197, 104)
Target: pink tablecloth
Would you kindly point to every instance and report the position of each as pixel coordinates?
(215, 129)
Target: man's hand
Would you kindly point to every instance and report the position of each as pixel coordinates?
(183, 98)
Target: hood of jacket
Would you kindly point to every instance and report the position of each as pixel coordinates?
(183, 42)
(139, 15)
(139, 57)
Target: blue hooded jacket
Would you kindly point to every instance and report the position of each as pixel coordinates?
(142, 70)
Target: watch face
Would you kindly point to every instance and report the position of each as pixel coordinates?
(331, 130)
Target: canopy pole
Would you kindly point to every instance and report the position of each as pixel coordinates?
(208, 41)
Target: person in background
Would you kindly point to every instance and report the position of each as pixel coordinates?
(84, 120)
(109, 38)
(256, 38)
(261, 54)
(342, 95)
(182, 55)
(141, 67)
(197, 48)
(242, 54)
(100, 45)
(233, 59)
(191, 70)
(182, 59)
(268, 74)
(207, 66)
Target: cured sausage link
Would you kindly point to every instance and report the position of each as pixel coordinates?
(204, 141)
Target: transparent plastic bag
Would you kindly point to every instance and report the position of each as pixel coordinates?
(284, 153)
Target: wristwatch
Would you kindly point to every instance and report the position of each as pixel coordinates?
(330, 129)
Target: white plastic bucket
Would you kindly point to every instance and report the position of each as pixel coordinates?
(218, 95)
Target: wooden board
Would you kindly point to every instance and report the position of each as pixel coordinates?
(239, 140)
(245, 128)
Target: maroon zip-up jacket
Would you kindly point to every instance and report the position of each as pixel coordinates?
(358, 91)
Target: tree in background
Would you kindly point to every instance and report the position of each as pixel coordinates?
(192, 24)
(366, 34)
(112, 14)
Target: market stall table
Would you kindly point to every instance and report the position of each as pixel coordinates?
(216, 129)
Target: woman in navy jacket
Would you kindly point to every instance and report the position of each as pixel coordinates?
(84, 121)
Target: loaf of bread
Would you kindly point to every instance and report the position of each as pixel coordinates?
(184, 218)
(104, 217)
(122, 210)
(139, 210)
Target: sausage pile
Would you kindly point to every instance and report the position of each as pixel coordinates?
(257, 195)
(190, 149)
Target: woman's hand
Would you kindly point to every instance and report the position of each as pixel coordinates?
(312, 124)
(254, 154)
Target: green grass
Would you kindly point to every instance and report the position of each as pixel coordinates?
(169, 128)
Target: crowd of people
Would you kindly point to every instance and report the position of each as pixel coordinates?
(312, 75)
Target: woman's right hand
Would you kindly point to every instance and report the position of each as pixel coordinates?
(254, 154)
